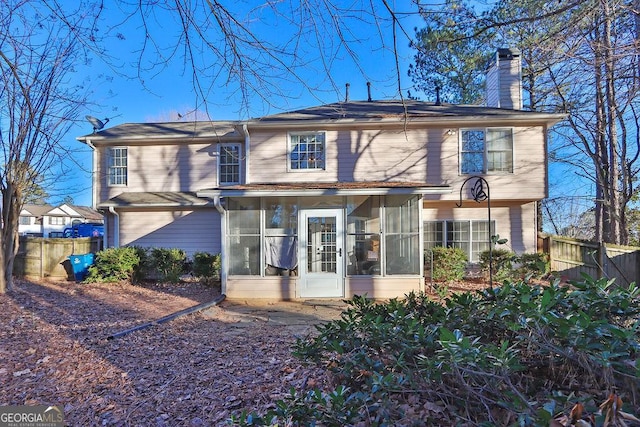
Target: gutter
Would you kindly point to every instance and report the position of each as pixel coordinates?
(247, 149)
(458, 120)
(94, 155)
(317, 192)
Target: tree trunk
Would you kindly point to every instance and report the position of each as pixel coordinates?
(609, 131)
(9, 239)
(3, 282)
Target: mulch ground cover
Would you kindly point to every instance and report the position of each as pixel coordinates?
(194, 370)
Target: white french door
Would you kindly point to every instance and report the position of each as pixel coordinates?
(321, 266)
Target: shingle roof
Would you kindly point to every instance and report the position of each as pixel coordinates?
(395, 109)
(339, 113)
(37, 210)
(88, 213)
(170, 130)
(156, 198)
(325, 188)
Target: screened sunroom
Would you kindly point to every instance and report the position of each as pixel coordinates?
(299, 246)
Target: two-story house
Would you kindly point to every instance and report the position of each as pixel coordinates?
(334, 200)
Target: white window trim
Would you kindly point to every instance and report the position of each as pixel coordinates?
(59, 220)
(240, 169)
(109, 166)
(485, 159)
(471, 241)
(309, 170)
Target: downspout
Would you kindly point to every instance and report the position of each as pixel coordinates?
(247, 149)
(224, 261)
(116, 227)
(94, 189)
(94, 157)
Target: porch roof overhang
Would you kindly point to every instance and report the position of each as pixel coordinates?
(316, 189)
(157, 199)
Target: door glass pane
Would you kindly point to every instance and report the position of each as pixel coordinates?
(321, 245)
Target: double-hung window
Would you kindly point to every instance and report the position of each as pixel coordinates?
(229, 165)
(307, 151)
(486, 150)
(472, 237)
(117, 174)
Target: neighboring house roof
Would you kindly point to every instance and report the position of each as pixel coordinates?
(157, 199)
(337, 114)
(35, 210)
(88, 213)
(67, 210)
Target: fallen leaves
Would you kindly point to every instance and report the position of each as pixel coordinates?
(609, 414)
(194, 370)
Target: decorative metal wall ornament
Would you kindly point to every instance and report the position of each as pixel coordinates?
(480, 195)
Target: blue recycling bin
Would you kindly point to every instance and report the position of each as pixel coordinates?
(80, 265)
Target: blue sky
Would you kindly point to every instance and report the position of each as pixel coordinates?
(159, 92)
(123, 95)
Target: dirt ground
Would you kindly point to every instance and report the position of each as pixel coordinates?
(57, 348)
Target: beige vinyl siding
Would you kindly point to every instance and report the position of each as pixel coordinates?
(274, 288)
(527, 182)
(268, 159)
(190, 230)
(388, 156)
(363, 155)
(177, 167)
(286, 288)
(382, 287)
(429, 156)
(515, 222)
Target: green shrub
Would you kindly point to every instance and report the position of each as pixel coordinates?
(143, 269)
(502, 262)
(168, 263)
(448, 263)
(535, 265)
(206, 266)
(516, 352)
(113, 265)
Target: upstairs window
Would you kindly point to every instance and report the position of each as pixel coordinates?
(117, 166)
(486, 151)
(229, 167)
(307, 151)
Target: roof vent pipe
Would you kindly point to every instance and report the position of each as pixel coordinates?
(438, 96)
(369, 91)
(346, 97)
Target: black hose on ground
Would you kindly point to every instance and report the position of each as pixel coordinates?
(169, 317)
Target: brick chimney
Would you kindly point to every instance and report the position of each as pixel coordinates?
(504, 80)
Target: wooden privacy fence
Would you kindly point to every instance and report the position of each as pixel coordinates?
(49, 257)
(571, 257)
